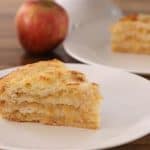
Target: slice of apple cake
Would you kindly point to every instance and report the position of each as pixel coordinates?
(50, 93)
(132, 34)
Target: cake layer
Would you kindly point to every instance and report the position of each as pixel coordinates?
(132, 35)
(39, 80)
(132, 46)
(52, 114)
(77, 95)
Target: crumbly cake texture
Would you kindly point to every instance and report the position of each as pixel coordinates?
(132, 34)
(50, 93)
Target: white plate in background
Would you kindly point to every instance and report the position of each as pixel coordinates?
(90, 41)
(125, 116)
(82, 12)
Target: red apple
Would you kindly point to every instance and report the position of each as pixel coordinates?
(41, 25)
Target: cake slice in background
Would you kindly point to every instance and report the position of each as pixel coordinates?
(131, 34)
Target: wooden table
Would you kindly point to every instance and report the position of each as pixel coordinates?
(11, 54)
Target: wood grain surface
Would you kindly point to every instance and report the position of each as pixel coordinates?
(11, 53)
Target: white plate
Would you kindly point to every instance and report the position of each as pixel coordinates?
(82, 12)
(90, 42)
(125, 117)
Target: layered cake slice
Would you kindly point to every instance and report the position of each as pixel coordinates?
(50, 93)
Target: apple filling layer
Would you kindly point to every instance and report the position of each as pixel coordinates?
(50, 114)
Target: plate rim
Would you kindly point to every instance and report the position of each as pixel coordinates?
(89, 62)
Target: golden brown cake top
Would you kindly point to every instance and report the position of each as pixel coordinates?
(145, 18)
(49, 80)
